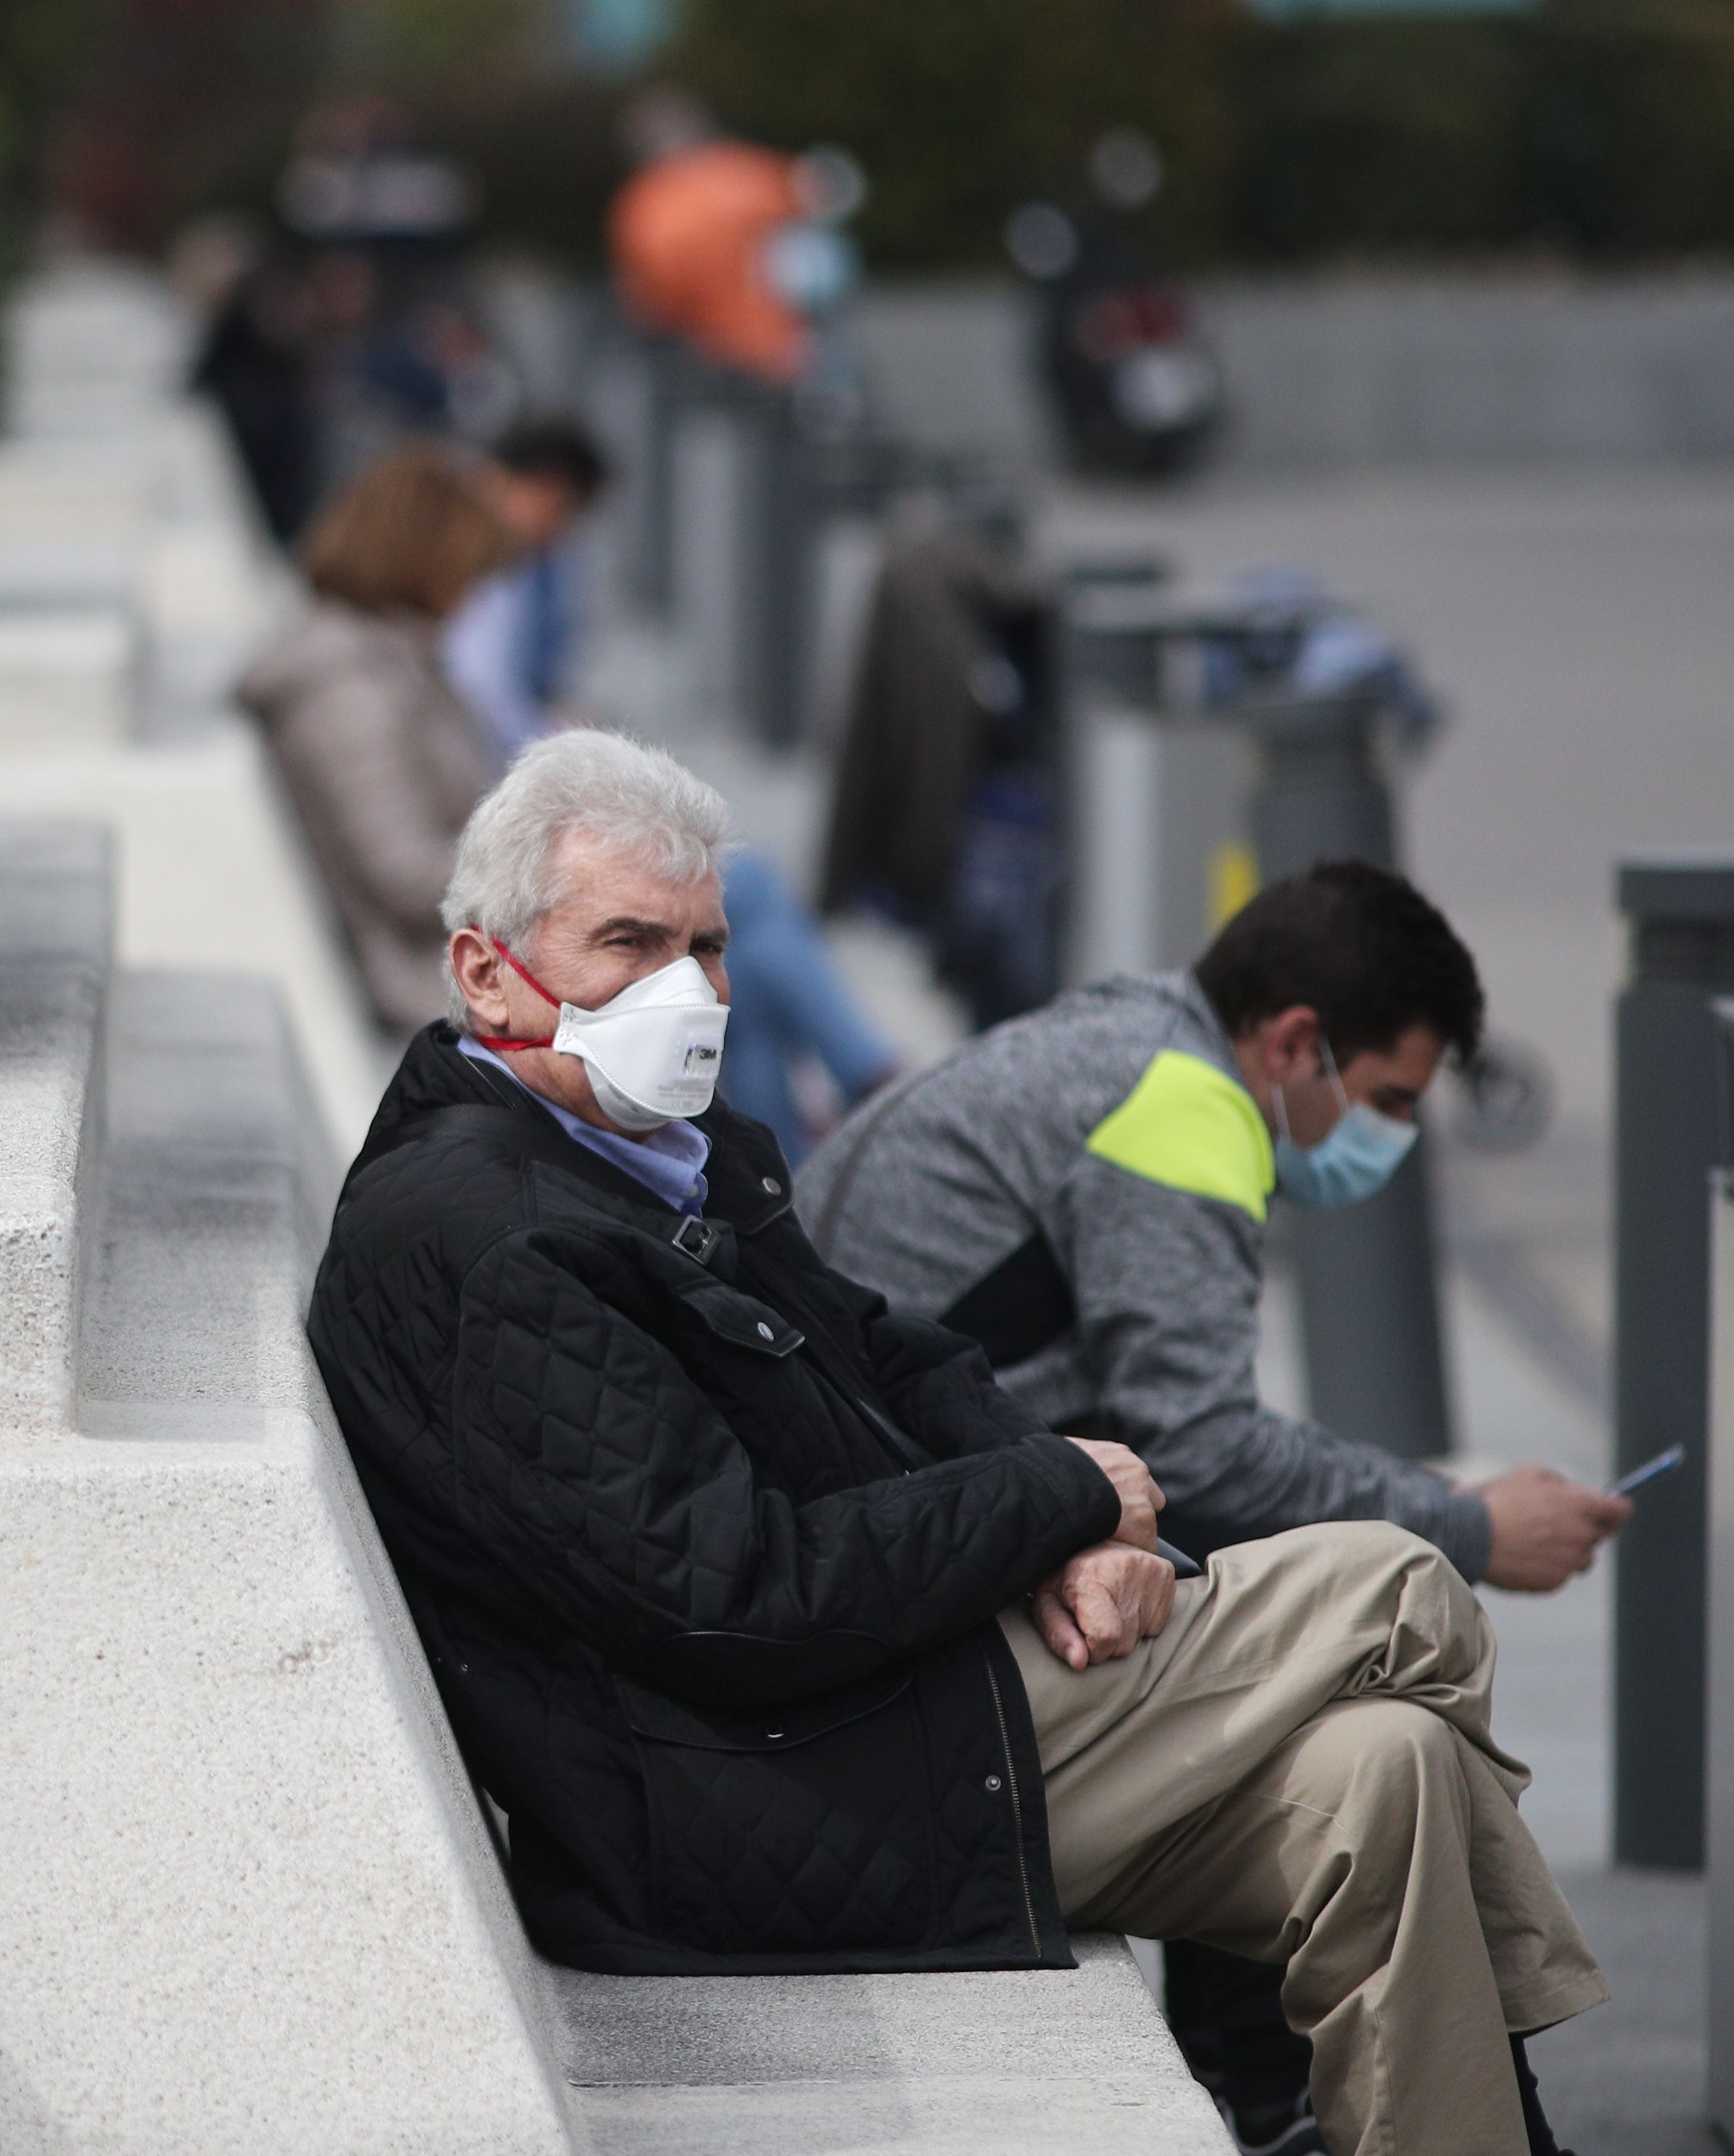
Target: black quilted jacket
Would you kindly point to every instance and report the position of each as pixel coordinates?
(703, 1544)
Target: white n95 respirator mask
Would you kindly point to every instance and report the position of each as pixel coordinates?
(652, 1053)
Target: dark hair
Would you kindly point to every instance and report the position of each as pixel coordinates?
(554, 449)
(1361, 945)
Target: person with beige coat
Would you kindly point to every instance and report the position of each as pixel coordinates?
(381, 758)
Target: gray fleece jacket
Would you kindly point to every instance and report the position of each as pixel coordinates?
(1084, 1190)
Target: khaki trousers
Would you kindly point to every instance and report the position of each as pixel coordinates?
(1299, 1768)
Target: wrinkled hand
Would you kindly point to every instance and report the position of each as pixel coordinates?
(1139, 1499)
(1100, 1602)
(1545, 1529)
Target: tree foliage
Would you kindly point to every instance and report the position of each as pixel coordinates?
(435, 44)
(1604, 127)
(45, 44)
(959, 111)
(1601, 128)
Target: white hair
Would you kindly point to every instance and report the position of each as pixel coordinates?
(636, 799)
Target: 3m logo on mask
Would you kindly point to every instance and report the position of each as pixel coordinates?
(653, 1052)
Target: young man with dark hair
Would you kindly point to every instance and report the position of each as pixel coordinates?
(558, 455)
(1085, 1191)
(1359, 945)
(507, 650)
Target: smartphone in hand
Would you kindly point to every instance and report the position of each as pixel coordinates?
(1664, 1463)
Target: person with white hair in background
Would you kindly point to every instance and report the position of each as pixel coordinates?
(785, 1639)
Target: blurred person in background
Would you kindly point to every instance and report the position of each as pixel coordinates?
(737, 251)
(355, 177)
(381, 758)
(790, 1011)
(688, 233)
(258, 365)
(945, 814)
(382, 221)
(509, 648)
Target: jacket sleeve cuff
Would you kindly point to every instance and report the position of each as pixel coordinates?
(1090, 1498)
(1465, 1533)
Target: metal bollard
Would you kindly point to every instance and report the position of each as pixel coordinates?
(1668, 1133)
(781, 542)
(1719, 1786)
(1369, 1297)
(731, 510)
(651, 567)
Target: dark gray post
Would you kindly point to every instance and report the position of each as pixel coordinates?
(778, 581)
(1670, 1132)
(653, 567)
(1369, 1300)
(1719, 1780)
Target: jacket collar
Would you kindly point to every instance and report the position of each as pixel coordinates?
(1188, 993)
(748, 1177)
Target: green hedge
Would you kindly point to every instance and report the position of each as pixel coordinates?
(43, 45)
(1601, 127)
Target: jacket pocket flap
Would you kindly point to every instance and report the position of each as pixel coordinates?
(739, 1319)
(666, 1720)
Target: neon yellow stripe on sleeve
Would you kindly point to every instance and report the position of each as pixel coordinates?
(1189, 1126)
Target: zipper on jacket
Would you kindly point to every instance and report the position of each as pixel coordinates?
(1011, 1782)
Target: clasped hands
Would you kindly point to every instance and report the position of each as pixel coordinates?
(1104, 1599)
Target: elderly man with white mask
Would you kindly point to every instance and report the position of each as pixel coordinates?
(786, 1641)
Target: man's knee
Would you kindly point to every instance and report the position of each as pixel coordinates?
(1388, 1758)
(1347, 1564)
(1378, 1545)
(1375, 1557)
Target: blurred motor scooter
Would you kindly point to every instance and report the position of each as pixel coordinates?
(1136, 389)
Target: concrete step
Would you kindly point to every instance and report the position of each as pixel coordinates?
(1000, 2063)
(246, 1897)
(54, 950)
(211, 1204)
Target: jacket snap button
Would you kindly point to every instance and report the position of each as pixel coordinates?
(772, 1186)
(765, 1333)
(993, 1783)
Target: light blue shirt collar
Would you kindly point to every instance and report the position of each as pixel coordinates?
(670, 1162)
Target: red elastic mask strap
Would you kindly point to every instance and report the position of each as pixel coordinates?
(524, 974)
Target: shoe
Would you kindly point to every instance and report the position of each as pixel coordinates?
(1291, 2131)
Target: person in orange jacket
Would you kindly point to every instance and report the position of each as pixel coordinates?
(692, 236)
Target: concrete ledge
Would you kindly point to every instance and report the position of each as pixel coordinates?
(67, 675)
(211, 873)
(212, 1204)
(93, 345)
(1001, 2063)
(247, 1900)
(54, 902)
(242, 1907)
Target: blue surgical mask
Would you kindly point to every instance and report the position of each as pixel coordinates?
(1356, 1160)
